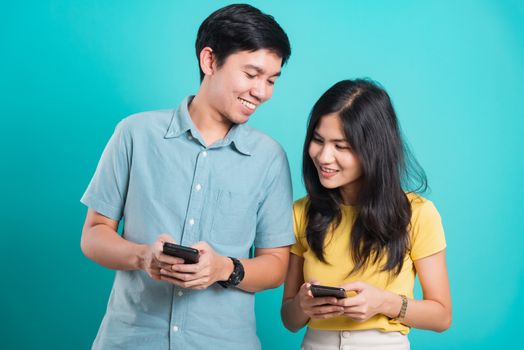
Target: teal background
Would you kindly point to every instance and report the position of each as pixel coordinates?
(70, 70)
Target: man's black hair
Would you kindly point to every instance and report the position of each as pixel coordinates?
(240, 27)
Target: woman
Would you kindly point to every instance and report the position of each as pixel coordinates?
(358, 229)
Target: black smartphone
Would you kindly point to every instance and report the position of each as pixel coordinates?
(190, 255)
(326, 291)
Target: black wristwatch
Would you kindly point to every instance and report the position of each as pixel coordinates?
(236, 276)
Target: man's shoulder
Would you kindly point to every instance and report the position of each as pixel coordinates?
(147, 119)
(259, 140)
(146, 122)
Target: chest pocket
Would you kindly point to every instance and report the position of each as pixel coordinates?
(235, 219)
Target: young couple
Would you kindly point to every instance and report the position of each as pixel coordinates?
(199, 176)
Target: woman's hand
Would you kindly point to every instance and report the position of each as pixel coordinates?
(368, 302)
(320, 307)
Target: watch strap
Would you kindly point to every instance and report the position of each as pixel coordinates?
(236, 276)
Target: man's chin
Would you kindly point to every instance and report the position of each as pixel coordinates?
(241, 120)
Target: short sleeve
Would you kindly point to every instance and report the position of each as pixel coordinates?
(274, 216)
(299, 225)
(427, 233)
(107, 190)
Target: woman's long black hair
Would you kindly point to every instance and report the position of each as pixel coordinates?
(383, 211)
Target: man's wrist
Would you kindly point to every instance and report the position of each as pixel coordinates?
(140, 256)
(227, 268)
(236, 276)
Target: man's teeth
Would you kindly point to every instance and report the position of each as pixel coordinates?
(247, 104)
(327, 170)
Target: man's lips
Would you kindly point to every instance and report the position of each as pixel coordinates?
(248, 104)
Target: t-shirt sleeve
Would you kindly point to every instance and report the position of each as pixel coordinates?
(107, 190)
(427, 232)
(274, 217)
(299, 226)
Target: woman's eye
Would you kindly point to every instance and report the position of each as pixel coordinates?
(317, 140)
(342, 147)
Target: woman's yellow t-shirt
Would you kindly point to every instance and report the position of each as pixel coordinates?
(426, 238)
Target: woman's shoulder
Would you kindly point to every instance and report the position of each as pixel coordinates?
(421, 207)
(300, 205)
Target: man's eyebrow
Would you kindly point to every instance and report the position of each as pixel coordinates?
(259, 70)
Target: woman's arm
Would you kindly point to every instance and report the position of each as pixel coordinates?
(433, 312)
(291, 312)
(298, 304)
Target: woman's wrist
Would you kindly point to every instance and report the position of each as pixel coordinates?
(392, 305)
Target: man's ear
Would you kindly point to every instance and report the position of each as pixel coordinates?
(207, 61)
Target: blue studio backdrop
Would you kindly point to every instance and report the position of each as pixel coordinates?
(70, 70)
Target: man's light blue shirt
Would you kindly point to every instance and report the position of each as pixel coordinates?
(157, 174)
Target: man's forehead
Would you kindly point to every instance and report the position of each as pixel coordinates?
(259, 69)
(262, 60)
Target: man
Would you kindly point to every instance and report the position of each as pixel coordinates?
(199, 177)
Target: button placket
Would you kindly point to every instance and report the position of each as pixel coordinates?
(196, 199)
(344, 340)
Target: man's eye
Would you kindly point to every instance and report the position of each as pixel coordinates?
(271, 82)
(250, 76)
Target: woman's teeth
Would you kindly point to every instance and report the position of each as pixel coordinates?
(327, 170)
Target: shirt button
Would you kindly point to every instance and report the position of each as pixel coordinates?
(345, 334)
(175, 328)
(204, 154)
(180, 293)
(198, 187)
(191, 222)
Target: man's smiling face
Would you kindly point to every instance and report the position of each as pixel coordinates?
(242, 83)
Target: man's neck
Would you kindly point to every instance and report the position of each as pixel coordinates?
(210, 124)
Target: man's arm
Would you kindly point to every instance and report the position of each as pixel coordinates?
(101, 243)
(266, 270)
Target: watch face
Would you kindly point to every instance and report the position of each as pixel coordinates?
(238, 273)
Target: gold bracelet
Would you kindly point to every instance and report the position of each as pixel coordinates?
(402, 312)
(403, 309)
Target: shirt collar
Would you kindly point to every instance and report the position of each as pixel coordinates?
(238, 135)
(181, 122)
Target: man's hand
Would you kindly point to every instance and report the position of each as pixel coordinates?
(210, 268)
(153, 260)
